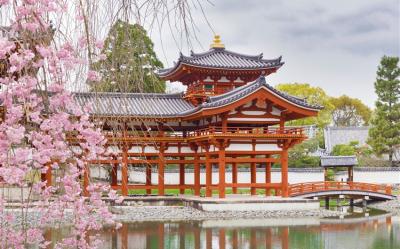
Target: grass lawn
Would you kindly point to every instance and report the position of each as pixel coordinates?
(191, 192)
(333, 203)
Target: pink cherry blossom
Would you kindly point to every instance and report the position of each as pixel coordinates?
(93, 76)
(40, 115)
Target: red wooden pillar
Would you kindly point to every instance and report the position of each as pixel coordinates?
(124, 171)
(161, 236)
(221, 238)
(268, 238)
(113, 173)
(208, 174)
(161, 165)
(221, 158)
(284, 172)
(235, 239)
(124, 236)
(47, 176)
(234, 177)
(285, 238)
(181, 232)
(48, 237)
(208, 238)
(196, 238)
(253, 238)
(267, 176)
(221, 171)
(148, 178)
(253, 176)
(86, 179)
(196, 175)
(181, 176)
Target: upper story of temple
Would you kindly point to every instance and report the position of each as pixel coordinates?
(224, 89)
(217, 71)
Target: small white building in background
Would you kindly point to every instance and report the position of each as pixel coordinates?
(345, 135)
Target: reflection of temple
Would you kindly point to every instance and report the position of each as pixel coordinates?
(228, 116)
(182, 235)
(196, 235)
(270, 233)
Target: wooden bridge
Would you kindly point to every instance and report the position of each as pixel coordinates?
(353, 190)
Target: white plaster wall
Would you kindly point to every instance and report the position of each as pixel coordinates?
(240, 147)
(135, 149)
(186, 149)
(150, 149)
(275, 206)
(113, 149)
(172, 149)
(381, 177)
(267, 147)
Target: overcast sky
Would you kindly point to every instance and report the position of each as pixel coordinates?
(336, 45)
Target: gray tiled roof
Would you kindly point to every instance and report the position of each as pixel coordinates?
(135, 104)
(225, 59)
(172, 105)
(331, 161)
(245, 90)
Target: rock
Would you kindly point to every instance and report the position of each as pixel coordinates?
(162, 213)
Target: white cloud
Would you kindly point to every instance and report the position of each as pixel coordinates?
(336, 45)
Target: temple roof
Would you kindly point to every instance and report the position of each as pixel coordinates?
(239, 92)
(220, 58)
(174, 105)
(134, 104)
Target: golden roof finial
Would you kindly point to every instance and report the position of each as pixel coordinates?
(217, 42)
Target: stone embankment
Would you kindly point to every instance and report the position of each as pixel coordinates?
(390, 206)
(180, 213)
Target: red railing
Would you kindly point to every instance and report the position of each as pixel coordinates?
(309, 187)
(211, 131)
(201, 91)
(245, 131)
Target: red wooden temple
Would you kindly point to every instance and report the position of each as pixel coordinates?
(228, 116)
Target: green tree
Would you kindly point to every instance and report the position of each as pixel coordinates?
(130, 61)
(384, 135)
(313, 95)
(300, 155)
(350, 112)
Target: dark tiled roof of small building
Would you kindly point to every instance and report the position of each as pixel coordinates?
(135, 104)
(221, 58)
(338, 161)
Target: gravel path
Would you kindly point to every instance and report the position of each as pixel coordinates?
(175, 213)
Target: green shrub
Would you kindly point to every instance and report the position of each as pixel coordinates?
(343, 150)
(299, 155)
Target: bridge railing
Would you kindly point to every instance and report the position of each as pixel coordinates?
(308, 187)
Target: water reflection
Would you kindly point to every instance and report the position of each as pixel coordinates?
(372, 232)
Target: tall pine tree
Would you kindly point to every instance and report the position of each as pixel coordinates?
(384, 135)
(130, 61)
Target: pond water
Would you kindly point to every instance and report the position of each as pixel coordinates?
(364, 229)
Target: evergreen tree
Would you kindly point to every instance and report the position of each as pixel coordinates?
(130, 61)
(384, 135)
